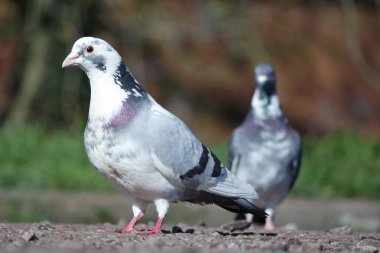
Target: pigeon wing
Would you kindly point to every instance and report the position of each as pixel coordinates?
(182, 159)
(295, 163)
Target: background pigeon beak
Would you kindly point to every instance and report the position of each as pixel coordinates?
(70, 60)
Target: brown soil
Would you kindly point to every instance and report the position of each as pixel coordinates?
(46, 237)
(93, 208)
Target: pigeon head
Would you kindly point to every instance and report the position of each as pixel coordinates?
(265, 102)
(116, 96)
(266, 79)
(92, 55)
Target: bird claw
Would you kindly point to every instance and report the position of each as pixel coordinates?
(150, 232)
(128, 231)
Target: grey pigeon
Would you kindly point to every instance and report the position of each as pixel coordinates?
(265, 151)
(145, 151)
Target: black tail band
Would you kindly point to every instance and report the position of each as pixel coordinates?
(235, 205)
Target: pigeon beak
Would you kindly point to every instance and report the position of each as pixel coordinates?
(70, 60)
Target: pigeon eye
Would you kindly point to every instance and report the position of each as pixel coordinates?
(89, 49)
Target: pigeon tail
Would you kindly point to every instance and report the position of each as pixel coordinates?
(232, 204)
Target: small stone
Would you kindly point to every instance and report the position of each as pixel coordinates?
(341, 230)
(294, 242)
(236, 225)
(30, 236)
(45, 225)
(177, 229)
(190, 231)
(369, 248)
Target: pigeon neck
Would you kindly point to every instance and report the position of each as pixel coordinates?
(125, 80)
(115, 94)
(264, 106)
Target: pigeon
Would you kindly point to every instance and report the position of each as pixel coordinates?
(265, 151)
(146, 152)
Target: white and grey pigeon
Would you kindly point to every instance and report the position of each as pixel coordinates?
(145, 151)
(265, 151)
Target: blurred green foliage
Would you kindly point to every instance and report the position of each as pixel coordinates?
(14, 211)
(32, 159)
(339, 165)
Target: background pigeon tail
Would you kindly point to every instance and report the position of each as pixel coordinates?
(232, 204)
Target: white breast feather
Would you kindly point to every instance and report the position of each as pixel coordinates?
(106, 96)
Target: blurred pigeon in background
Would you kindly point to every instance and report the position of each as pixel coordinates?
(265, 151)
(145, 151)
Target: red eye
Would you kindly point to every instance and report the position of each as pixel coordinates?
(89, 49)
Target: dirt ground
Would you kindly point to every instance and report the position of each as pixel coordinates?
(93, 208)
(46, 237)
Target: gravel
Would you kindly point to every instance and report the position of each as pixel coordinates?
(45, 237)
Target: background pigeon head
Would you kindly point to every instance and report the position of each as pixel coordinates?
(265, 102)
(265, 79)
(92, 55)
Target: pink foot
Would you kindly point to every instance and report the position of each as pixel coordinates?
(130, 228)
(128, 231)
(155, 230)
(151, 232)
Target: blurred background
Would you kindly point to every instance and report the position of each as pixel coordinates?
(196, 58)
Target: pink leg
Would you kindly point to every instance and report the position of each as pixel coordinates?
(269, 223)
(155, 230)
(249, 217)
(130, 228)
